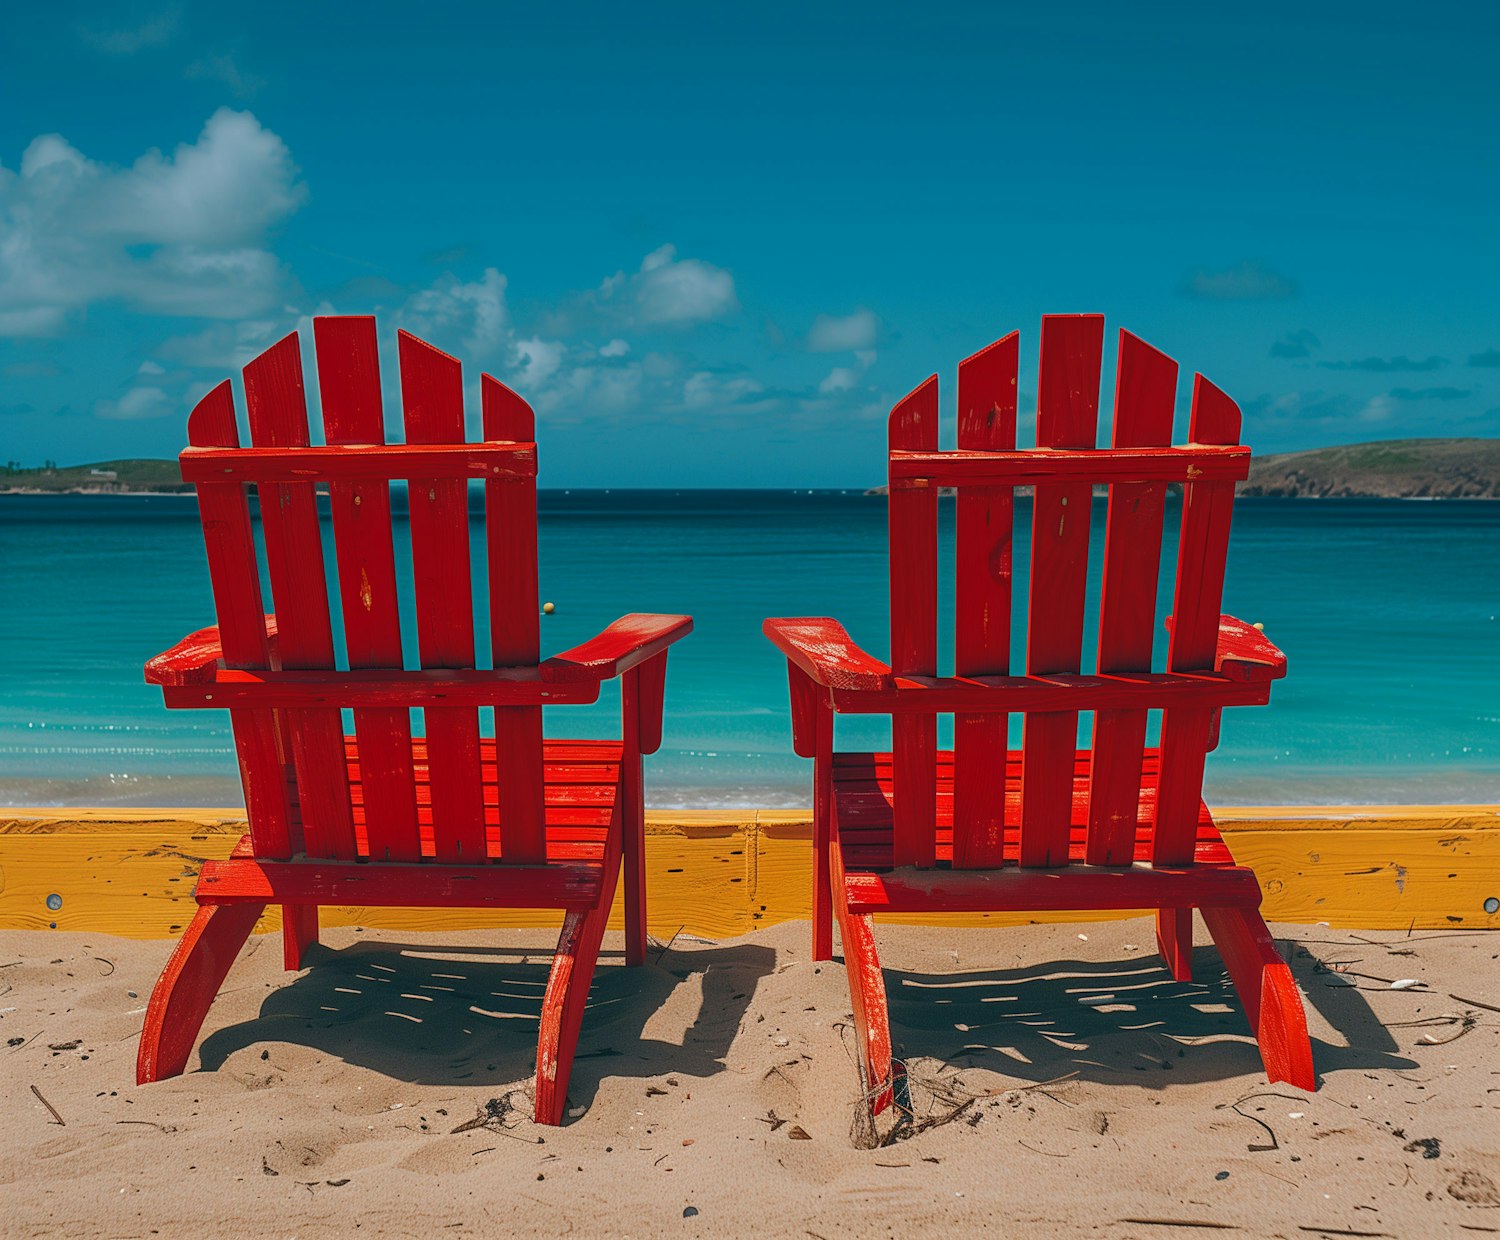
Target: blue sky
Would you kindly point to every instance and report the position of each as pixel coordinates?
(713, 244)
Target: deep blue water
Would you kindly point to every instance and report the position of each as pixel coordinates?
(1387, 611)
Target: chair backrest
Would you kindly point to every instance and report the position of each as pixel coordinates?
(1063, 468)
(398, 802)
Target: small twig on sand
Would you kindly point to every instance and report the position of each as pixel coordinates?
(1180, 1222)
(668, 946)
(1488, 1007)
(49, 1106)
(1235, 1107)
(1340, 1231)
(1048, 1153)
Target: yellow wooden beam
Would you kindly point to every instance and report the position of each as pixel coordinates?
(721, 873)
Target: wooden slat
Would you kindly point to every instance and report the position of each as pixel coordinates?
(1041, 695)
(913, 520)
(359, 460)
(1067, 417)
(387, 884)
(985, 521)
(229, 541)
(432, 403)
(349, 386)
(1114, 465)
(908, 891)
(510, 537)
(277, 411)
(1203, 548)
(1145, 393)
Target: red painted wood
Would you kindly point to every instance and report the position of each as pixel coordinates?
(653, 701)
(435, 798)
(1174, 940)
(1245, 653)
(510, 540)
(277, 411)
(1067, 417)
(866, 987)
(1033, 889)
(433, 406)
(628, 642)
(632, 818)
(805, 699)
(1018, 835)
(1203, 548)
(567, 994)
(349, 386)
(195, 659)
(1051, 694)
(820, 738)
(355, 461)
(1145, 396)
(1269, 994)
(229, 543)
(391, 884)
(187, 986)
(913, 520)
(984, 529)
(434, 688)
(299, 932)
(1046, 464)
(823, 650)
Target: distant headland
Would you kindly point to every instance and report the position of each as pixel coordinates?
(1389, 469)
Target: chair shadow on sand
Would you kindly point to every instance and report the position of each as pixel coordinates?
(1118, 1020)
(433, 1014)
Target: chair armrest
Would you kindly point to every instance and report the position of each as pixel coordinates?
(823, 649)
(1244, 653)
(195, 659)
(627, 643)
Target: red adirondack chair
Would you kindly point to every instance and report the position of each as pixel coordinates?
(1115, 826)
(382, 818)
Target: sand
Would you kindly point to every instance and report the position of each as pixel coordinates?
(714, 1092)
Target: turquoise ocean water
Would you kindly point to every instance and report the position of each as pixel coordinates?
(1389, 612)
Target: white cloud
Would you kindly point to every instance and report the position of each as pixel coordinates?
(846, 333)
(223, 346)
(538, 360)
(706, 390)
(615, 348)
(182, 235)
(840, 379)
(474, 312)
(146, 401)
(671, 292)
